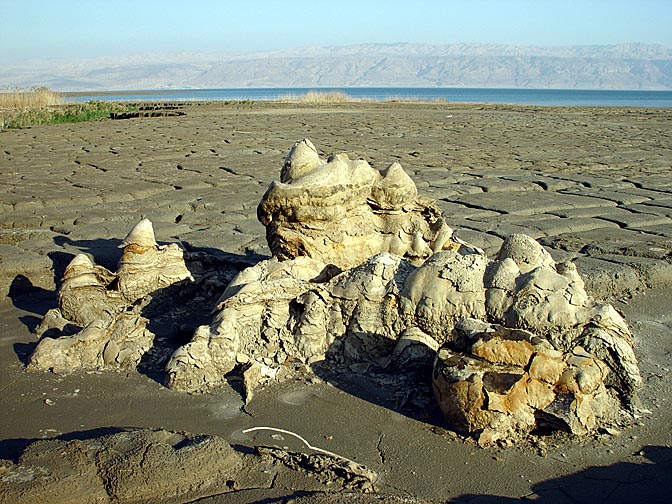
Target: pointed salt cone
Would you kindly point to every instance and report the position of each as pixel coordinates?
(142, 235)
(79, 264)
(83, 297)
(80, 260)
(80, 272)
(395, 189)
(301, 160)
(143, 270)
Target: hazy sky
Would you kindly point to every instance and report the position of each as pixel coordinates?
(85, 28)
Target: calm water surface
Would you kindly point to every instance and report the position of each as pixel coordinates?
(555, 97)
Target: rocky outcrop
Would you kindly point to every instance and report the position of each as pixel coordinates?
(545, 354)
(522, 346)
(522, 342)
(342, 211)
(366, 271)
(104, 309)
(295, 311)
(497, 383)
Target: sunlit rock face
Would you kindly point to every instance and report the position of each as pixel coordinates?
(544, 355)
(299, 310)
(104, 308)
(342, 211)
(496, 383)
(366, 272)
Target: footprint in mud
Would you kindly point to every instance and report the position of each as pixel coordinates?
(297, 397)
(225, 410)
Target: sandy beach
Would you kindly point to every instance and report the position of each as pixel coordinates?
(591, 184)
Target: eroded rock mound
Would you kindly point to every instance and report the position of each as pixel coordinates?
(296, 311)
(523, 346)
(553, 357)
(129, 466)
(495, 383)
(104, 309)
(366, 272)
(342, 211)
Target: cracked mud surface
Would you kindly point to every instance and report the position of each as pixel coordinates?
(591, 184)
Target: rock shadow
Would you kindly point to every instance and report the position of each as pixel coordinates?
(404, 389)
(11, 449)
(240, 261)
(36, 300)
(105, 252)
(176, 311)
(646, 481)
(30, 298)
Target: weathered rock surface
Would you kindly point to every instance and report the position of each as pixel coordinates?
(156, 465)
(342, 211)
(305, 309)
(367, 272)
(105, 309)
(553, 356)
(279, 312)
(572, 359)
(129, 466)
(496, 383)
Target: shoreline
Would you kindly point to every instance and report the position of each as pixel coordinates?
(510, 96)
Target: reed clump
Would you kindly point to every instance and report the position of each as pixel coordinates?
(318, 98)
(30, 98)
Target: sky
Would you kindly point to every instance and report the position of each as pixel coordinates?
(69, 29)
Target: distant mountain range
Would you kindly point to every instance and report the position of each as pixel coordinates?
(622, 66)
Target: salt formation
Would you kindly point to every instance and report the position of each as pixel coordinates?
(548, 355)
(343, 211)
(107, 306)
(282, 311)
(366, 272)
(522, 344)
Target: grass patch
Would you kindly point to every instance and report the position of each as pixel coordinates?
(318, 97)
(20, 109)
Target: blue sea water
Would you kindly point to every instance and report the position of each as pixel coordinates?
(550, 97)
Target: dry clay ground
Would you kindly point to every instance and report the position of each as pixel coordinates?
(592, 184)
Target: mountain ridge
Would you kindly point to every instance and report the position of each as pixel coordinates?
(618, 66)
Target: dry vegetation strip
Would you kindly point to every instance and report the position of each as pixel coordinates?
(318, 97)
(330, 97)
(39, 97)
